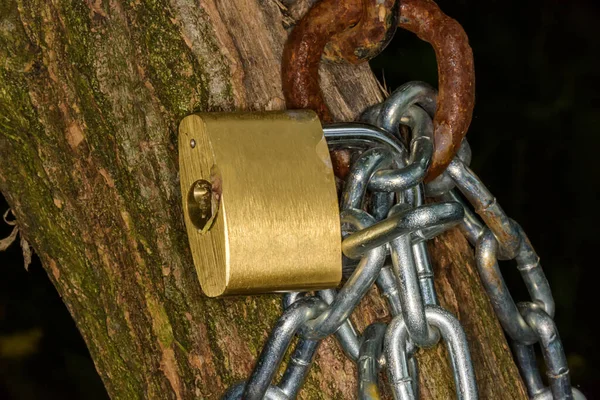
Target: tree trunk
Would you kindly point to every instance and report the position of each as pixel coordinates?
(91, 93)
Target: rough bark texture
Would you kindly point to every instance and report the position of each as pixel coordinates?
(91, 93)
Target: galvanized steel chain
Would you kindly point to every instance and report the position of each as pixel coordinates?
(384, 244)
(526, 323)
(385, 222)
(385, 226)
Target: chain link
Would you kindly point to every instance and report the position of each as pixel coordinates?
(386, 246)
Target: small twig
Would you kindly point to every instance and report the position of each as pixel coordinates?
(383, 85)
(10, 239)
(5, 218)
(7, 241)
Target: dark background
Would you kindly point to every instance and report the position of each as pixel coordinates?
(534, 138)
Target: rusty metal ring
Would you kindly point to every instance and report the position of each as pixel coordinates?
(328, 18)
(456, 77)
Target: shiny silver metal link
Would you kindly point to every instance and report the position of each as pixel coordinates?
(277, 344)
(530, 322)
(552, 349)
(385, 225)
(393, 111)
(528, 264)
(365, 274)
(353, 290)
(413, 307)
(486, 256)
(401, 109)
(471, 226)
(301, 360)
(236, 393)
(525, 357)
(402, 223)
(388, 288)
(486, 206)
(371, 350)
(444, 183)
(346, 334)
(362, 136)
(390, 112)
(547, 395)
(367, 136)
(358, 178)
(298, 367)
(421, 151)
(454, 336)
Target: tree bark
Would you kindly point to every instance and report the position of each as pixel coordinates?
(91, 93)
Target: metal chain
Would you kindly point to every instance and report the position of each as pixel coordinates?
(385, 226)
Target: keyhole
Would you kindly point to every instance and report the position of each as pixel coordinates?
(200, 205)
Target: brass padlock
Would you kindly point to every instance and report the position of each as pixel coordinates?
(260, 202)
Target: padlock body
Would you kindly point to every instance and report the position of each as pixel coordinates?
(260, 202)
